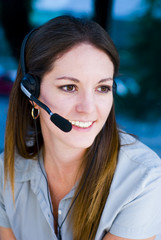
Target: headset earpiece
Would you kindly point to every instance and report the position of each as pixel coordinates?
(29, 82)
(32, 84)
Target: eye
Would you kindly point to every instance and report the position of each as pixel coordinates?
(68, 88)
(104, 89)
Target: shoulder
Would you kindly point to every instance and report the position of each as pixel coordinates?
(1, 158)
(137, 152)
(133, 208)
(25, 169)
(134, 198)
(138, 166)
(1, 167)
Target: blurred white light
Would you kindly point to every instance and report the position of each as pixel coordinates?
(50, 5)
(68, 5)
(125, 9)
(121, 88)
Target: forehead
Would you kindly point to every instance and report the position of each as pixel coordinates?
(84, 56)
(83, 47)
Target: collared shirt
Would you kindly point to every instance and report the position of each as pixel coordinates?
(132, 209)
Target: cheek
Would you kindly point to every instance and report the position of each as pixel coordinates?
(45, 119)
(47, 93)
(50, 99)
(106, 107)
(48, 128)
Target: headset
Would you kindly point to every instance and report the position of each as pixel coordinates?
(30, 86)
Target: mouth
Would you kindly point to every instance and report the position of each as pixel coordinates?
(81, 124)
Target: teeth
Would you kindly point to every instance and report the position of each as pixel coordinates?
(81, 124)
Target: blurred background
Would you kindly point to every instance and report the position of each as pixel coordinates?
(134, 26)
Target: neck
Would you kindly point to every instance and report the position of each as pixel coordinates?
(63, 164)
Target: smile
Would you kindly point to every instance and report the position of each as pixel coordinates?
(81, 124)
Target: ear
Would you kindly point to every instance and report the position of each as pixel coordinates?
(34, 105)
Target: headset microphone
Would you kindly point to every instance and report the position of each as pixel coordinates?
(30, 86)
(59, 121)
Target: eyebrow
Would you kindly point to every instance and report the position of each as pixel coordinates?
(68, 78)
(106, 79)
(76, 80)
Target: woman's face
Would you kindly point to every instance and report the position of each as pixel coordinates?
(79, 88)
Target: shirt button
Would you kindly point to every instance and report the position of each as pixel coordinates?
(59, 212)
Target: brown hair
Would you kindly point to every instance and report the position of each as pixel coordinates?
(47, 44)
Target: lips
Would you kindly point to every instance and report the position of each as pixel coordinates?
(81, 124)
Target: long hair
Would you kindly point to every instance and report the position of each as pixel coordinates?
(48, 43)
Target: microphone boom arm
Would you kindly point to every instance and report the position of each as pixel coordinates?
(59, 121)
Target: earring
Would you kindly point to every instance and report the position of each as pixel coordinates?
(33, 113)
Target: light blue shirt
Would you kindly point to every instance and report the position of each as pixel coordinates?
(132, 210)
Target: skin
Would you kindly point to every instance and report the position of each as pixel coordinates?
(110, 236)
(79, 88)
(6, 234)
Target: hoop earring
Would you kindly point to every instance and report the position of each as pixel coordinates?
(33, 113)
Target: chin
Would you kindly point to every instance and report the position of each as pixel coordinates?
(83, 145)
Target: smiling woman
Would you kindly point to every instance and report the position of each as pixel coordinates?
(80, 90)
(73, 174)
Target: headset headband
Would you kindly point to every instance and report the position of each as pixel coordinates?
(23, 50)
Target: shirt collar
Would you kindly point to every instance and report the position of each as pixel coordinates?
(29, 170)
(26, 169)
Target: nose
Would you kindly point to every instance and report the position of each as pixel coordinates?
(86, 102)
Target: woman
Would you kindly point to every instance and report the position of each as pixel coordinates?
(86, 182)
